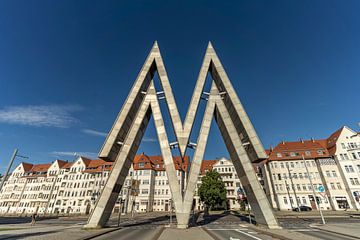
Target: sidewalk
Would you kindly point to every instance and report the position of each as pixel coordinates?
(194, 233)
(350, 230)
(46, 232)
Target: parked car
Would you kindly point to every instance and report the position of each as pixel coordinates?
(302, 208)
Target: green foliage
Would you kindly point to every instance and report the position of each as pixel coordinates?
(212, 191)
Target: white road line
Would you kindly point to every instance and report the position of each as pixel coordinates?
(253, 232)
(249, 235)
(241, 225)
(304, 230)
(224, 229)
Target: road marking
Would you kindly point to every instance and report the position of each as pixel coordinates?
(253, 232)
(224, 229)
(304, 230)
(231, 238)
(241, 225)
(249, 235)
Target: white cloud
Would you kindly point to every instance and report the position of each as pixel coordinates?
(40, 115)
(74, 154)
(147, 139)
(94, 132)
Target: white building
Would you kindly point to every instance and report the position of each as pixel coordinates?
(228, 175)
(72, 187)
(344, 146)
(333, 163)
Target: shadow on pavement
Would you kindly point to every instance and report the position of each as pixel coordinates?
(207, 219)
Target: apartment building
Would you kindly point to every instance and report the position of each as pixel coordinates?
(228, 175)
(294, 169)
(73, 187)
(344, 146)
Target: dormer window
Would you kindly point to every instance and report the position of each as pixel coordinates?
(307, 153)
(292, 154)
(278, 155)
(141, 164)
(319, 152)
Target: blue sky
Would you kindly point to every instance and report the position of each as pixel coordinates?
(66, 67)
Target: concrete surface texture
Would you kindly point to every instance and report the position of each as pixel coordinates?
(223, 104)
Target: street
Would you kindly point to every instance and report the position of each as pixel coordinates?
(218, 226)
(144, 233)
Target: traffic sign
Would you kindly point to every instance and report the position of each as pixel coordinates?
(321, 188)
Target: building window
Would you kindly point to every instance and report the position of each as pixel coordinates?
(285, 200)
(354, 155)
(343, 145)
(332, 185)
(338, 185)
(349, 168)
(328, 174)
(354, 181)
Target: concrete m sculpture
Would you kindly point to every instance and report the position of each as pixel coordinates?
(223, 104)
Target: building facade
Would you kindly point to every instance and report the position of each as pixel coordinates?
(228, 175)
(73, 187)
(294, 169)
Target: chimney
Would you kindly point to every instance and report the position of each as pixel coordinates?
(271, 148)
(301, 140)
(283, 142)
(312, 139)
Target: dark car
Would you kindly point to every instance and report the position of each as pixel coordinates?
(302, 208)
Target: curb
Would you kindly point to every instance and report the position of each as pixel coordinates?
(330, 231)
(94, 235)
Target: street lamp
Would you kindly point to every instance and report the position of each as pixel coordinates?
(15, 154)
(312, 186)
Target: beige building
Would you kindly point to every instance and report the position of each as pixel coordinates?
(228, 175)
(73, 187)
(331, 163)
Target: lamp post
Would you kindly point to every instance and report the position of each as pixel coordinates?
(287, 189)
(292, 185)
(312, 186)
(15, 154)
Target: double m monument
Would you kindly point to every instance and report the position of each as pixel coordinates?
(223, 104)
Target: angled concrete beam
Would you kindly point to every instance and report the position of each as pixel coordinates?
(232, 120)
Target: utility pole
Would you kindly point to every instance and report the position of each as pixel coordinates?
(287, 189)
(312, 186)
(15, 154)
(292, 185)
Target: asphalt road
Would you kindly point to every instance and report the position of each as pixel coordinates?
(235, 233)
(324, 235)
(132, 233)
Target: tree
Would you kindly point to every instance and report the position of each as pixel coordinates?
(212, 191)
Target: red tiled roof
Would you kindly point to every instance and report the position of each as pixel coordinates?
(27, 166)
(295, 150)
(40, 167)
(206, 165)
(60, 162)
(157, 162)
(67, 165)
